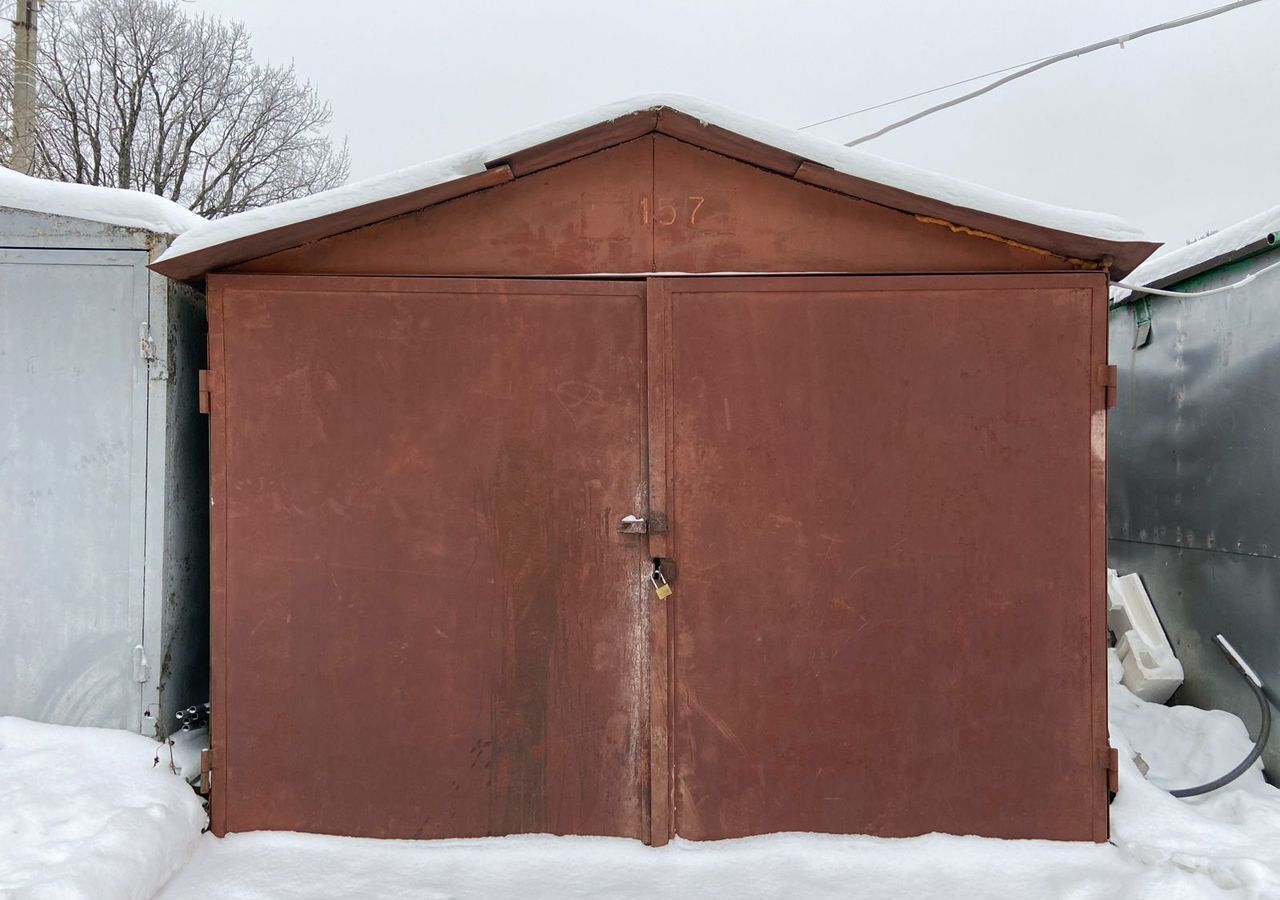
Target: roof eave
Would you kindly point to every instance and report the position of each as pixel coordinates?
(1118, 257)
(194, 266)
(1261, 245)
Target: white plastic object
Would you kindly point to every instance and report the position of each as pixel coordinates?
(1151, 669)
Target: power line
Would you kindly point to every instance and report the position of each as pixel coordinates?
(943, 87)
(1037, 65)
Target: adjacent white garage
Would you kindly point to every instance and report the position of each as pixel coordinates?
(103, 598)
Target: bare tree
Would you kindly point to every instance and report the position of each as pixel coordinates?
(140, 94)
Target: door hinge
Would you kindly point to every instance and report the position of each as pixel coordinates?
(1111, 762)
(157, 368)
(141, 668)
(1108, 379)
(205, 380)
(207, 762)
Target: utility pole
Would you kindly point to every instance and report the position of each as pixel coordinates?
(23, 152)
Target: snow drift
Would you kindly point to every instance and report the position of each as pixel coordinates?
(86, 814)
(1225, 844)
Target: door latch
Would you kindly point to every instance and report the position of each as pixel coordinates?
(655, 523)
(157, 368)
(141, 668)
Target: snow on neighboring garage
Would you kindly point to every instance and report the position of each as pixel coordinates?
(1168, 263)
(85, 815)
(113, 206)
(843, 159)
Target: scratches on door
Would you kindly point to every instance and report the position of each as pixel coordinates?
(690, 700)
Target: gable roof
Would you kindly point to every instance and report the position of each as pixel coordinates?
(1253, 235)
(111, 206)
(220, 243)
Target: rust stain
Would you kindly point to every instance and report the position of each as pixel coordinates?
(846, 585)
(531, 627)
(964, 229)
(465, 597)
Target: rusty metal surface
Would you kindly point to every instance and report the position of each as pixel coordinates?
(715, 214)
(195, 265)
(581, 217)
(655, 204)
(581, 143)
(1121, 256)
(425, 622)
(892, 623)
(886, 501)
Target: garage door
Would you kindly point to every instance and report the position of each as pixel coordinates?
(886, 511)
(879, 502)
(426, 623)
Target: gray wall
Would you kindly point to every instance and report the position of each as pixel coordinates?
(103, 479)
(184, 663)
(73, 456)
(1194, 478)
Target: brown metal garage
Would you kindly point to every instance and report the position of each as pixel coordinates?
(870, 462)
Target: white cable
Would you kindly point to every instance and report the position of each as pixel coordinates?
(1139, 289)
(1119, 40)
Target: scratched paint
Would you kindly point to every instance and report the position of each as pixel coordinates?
(653, 204)
(533, 641)
(912, 477)
(424, 480)
(410, 439)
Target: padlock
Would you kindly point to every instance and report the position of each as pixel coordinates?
(660, 584)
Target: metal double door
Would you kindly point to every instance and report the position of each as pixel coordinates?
(878, 501)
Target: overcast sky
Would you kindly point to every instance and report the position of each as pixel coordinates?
(1177, 132)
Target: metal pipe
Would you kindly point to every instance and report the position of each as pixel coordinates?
(1264, 733)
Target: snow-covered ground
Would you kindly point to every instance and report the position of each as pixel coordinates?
(84, 813)
(779, 867)
(87, 814)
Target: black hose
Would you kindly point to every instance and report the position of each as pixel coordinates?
(1264, 733)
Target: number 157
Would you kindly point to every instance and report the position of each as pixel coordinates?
(667, 212)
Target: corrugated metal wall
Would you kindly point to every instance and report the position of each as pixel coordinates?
(1194, 478)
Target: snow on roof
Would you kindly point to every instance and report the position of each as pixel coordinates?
(113, 206)
(1163, 268)
(843, 159)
